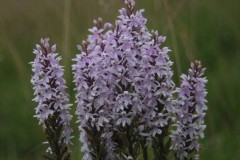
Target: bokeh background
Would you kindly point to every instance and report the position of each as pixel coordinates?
(208, 30)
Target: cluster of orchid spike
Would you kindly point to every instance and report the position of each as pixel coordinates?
(126, 101)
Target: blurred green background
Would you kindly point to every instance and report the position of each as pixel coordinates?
(207, 30)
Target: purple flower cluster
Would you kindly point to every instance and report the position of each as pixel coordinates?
(49, 90)
(123, 76)
(190, 112)
(124, 95)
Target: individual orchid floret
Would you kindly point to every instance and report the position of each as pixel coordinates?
(190, 113)
(53, 102)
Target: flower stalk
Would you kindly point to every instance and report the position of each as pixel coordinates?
(124, 86)
(190, 112)
(53, 107)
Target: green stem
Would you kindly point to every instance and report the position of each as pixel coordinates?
(53, 133)
(144, 150)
